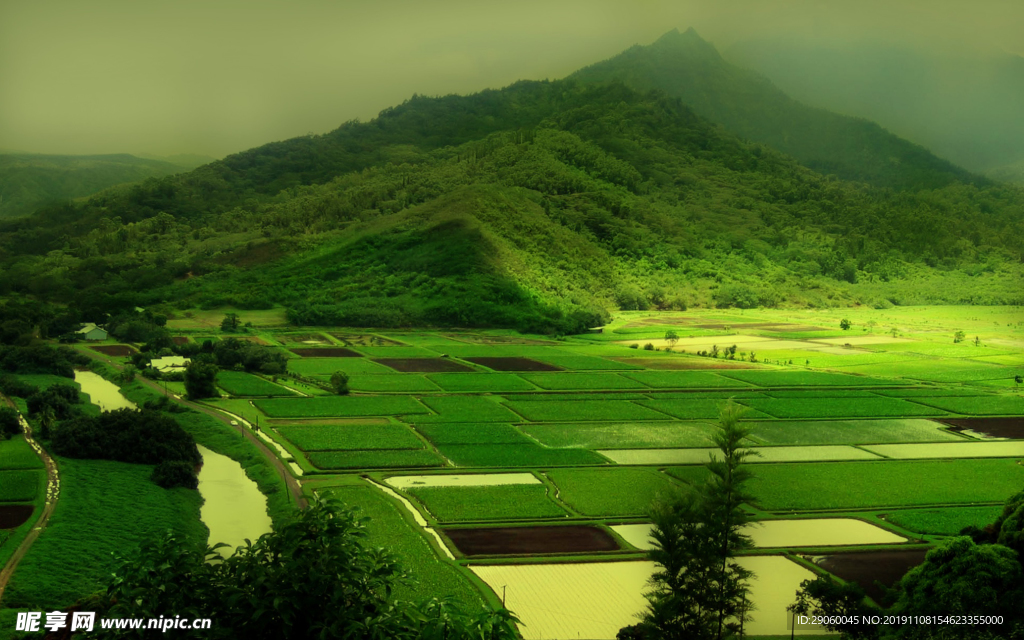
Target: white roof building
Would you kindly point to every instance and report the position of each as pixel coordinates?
(90, 331)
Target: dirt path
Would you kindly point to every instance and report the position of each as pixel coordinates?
(52, 493)
(294, 488)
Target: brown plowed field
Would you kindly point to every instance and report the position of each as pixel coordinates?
(522, 540)
(865, 569)
(514, 364)
(995, 427)
(114, 349)
(422, 365)
(179, 340)
(684, 363)
(330, 352)
(14, 515)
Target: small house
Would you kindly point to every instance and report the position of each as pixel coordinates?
(91, 332)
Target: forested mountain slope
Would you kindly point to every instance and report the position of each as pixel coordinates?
(538, 206)
(28, 181)
(686, 66)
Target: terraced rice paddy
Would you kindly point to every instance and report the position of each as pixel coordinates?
(523, 446)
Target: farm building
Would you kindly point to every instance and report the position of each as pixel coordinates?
(169, 363)
(91, 332)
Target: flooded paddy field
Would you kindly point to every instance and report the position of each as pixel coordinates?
(528, 446)
(14, 515)
(233, 508)
(103, 393)
(867, 568)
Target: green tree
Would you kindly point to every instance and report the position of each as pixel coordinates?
(200, 380)
(845, 324)
(959, 336)
(10, 426)
(339, 382)
(671, 337)
(230, 322)
(314, 577)
(698, 591)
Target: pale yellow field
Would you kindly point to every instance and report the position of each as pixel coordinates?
(815, 532)
(767, 454)
(1005, 449)
(594, 600)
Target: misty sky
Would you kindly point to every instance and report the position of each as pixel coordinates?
(214, 77)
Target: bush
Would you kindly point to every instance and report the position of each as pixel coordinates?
(11, 386)
(59, 397)
(175, 473)
(649, 347)
(10, 426)
(125, 435)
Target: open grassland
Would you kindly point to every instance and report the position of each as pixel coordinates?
(528, 454)
(239, 383)
(500, 502)
(105, 508)
(613, 491)
(16, 454)
(621, 435)
(389, 528)
(948, 521)
(340, 406)
(21, 485)
(855, 485)
(783, 378)
(375, 459)
(813, 432)
(351, 437)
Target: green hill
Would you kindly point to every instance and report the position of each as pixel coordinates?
(538, 207)
(28, 181)
(685, 66)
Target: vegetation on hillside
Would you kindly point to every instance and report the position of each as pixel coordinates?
(537, 207)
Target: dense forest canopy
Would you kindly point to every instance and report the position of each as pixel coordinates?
(538, 206)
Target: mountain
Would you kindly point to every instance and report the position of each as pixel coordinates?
(538, 206)
(686, 66)
(28, 181)
(964, 105)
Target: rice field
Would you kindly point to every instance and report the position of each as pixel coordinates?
(867, 441)
(239, 383)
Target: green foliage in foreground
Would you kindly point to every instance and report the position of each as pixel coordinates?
(105, 507)
(947, 521)
(500, 502)
(318, 575)
(618, 491)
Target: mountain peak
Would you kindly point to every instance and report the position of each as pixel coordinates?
(688, 41)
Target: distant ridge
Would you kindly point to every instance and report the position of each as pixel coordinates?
(686, 66)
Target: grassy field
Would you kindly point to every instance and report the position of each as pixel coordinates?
(105, 508)
(621, 435)
(340, 406)
(851, 431)
(464, 409)
(350, 437)
(516, 455)
(472, 433)
(583, 410)
(21, 485)
(463, 504)
(239, 383)
(614, 491)
(494, 382)
(840, 407)
(855, 485)
(16, 454)
(375, 459)
(579, 381)
(685, 380)
(388, 528)
(946, 522)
